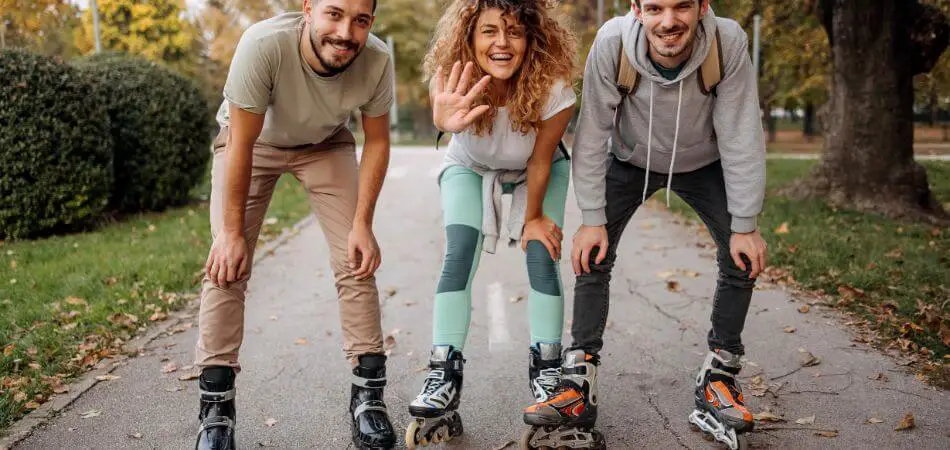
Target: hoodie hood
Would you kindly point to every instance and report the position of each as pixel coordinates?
(636, 45)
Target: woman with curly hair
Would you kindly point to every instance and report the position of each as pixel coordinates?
(507, 130)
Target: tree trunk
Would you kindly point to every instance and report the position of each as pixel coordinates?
(933, 104)
(770, 123)
(808, 122)
(868, 162)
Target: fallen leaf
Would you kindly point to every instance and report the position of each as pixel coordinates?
(191, 375)
(8, 350)
(13, 264)
(782, 229)
(270, 221)
(34, 366)
(409, 303)
(270, 422)
(175, 389)
(810, 420)
(266, 444)
(804, 309)
(391, 292)
(789, 329)
(136, 436)
(673, 286)
(896, 253)
(646, 226)
(273, 317)
(108, 377)
(807, 359)
(829, 434)
(389, 342)
(157, 316)
(60, 389)
(75, 301)
(91, 413)
(301, 341)
(169, 368)
(906, 423)
(31, 405)
(665, 274)
(874, 420)
(768, 416)
(689, 273)
(516, 299)
(19, 397)
(503, 446)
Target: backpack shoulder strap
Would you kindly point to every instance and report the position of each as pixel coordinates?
(712, 71)
(627, 77)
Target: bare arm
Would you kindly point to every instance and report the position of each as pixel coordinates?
(539, 165)
(373, 165)
(243, 131)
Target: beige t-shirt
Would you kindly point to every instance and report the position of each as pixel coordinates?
(269, 76)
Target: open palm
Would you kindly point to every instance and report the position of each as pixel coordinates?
(452, 99)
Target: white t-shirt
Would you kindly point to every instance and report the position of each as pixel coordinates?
(504, 148)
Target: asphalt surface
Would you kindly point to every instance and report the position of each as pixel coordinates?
(295, 373)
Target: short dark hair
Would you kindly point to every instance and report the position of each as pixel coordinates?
(374, 4)
(637, 2)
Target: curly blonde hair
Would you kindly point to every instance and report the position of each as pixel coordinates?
(550, 55)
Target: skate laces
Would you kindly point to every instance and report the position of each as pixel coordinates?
(548, 380)
(434, 381)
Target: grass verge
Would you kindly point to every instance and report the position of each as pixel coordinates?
(893, 275)
(69, 301)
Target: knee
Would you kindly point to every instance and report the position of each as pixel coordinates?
(732, 275)
(461, 245)
(542, 270)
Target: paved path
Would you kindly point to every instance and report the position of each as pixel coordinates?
(654, 344)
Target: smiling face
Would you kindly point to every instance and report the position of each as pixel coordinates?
(499, 43)
(339, 30)
(670, 27)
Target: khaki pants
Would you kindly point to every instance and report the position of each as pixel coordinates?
(329, 173)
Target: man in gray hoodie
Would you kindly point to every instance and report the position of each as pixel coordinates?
(707, 147)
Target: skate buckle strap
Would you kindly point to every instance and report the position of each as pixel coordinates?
(722, 372)
(455, 364)
(216, 422)
(574, 370)
(217, 397)
(372, 405)
(372, 383)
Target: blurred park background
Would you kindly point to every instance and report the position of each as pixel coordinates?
(104, 158)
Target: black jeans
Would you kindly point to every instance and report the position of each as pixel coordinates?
(704, 190)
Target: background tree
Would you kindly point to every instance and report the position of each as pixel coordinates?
(868, 161)
(41, 26)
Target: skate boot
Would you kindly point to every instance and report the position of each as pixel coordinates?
(434, 409)
(567, 417)
(720, 408)
(217, 414)
(544, 370)
(370, 426)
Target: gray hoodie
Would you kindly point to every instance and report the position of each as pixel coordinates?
(670, 126)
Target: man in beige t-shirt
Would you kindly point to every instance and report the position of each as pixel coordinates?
(293, 83)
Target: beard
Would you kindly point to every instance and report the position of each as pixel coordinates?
(663, 49)
(331, 63)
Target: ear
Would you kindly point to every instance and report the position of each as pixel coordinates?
(703, 8)
(307, 9)
(636, 9)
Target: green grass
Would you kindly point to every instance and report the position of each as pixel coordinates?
(65, 301)
(896, 264)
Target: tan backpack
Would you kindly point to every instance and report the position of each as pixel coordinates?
(710, 73)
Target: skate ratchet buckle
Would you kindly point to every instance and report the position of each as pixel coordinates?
(705, 422)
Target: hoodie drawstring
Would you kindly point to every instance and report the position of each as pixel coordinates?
(646, 178)
(676, 132)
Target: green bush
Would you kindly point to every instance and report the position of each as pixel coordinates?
(55, 151)
(160, 130)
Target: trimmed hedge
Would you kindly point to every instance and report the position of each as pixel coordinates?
(160, 129)
(55, 151)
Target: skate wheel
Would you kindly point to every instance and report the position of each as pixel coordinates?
(525, 442)
(411, 431)
(742, 441)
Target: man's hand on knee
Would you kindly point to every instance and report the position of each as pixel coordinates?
(585, 240)
(753, 247)
(363, 255)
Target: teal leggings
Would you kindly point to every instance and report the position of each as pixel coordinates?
(462, 211)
